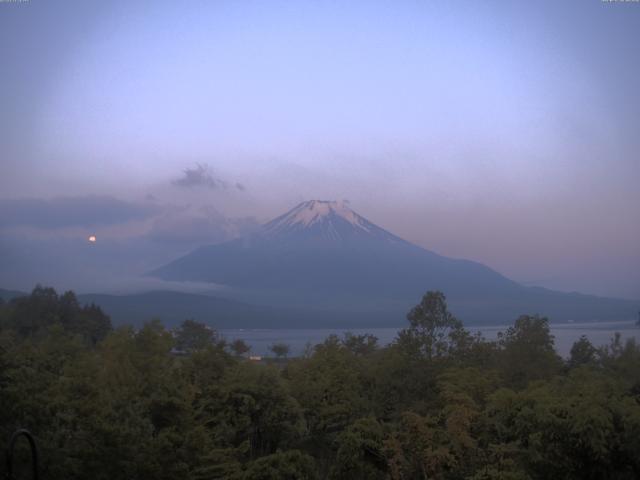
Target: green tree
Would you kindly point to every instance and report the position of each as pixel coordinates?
(240, 347)
(32, 315)
(329, 387)
(622, 360)
(433, 331)
(582, 353)
(417, 449)
(252, 408)
(360, 452)
(527, 351)
(364, 344)
(192, 336)
(575, 427)
(280, 350)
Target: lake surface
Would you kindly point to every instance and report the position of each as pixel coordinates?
(565, 335)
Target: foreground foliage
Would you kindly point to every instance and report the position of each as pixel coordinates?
(438, 403)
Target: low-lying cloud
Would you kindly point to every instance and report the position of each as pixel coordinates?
(203, 226)
(63, 212)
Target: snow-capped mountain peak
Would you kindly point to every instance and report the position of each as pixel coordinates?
(313, 211)
(333, 220)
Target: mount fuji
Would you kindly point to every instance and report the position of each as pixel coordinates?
(323, 255)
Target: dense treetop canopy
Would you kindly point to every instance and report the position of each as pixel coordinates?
(437, 403)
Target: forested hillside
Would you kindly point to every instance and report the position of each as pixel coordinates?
(438, 403)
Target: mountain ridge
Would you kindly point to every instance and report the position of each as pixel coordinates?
(323, 254)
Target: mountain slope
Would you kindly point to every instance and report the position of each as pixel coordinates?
(173, 307)
(326, 245)
(323, 254)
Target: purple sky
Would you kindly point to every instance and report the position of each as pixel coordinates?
(503, 132)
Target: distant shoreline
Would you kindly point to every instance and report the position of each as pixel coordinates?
(599, 333)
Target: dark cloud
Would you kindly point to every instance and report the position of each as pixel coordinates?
(61, 212)
(200, 176)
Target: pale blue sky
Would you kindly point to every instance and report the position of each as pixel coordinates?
(505, 132)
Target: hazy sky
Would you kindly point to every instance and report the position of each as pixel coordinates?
(500, 131)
